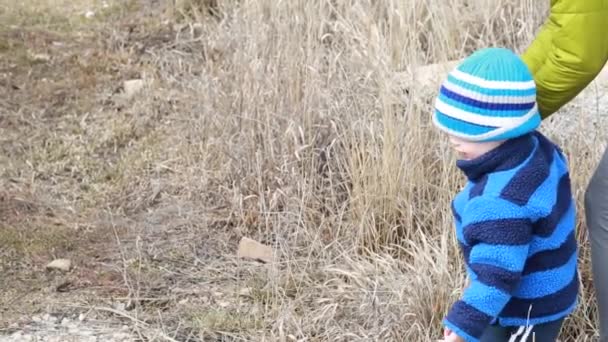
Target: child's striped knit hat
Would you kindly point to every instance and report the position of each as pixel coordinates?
(490, 96)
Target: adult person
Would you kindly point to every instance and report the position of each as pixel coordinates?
(568, 52)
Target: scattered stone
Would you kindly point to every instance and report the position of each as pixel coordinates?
(424, 78)
(197, 30)
(432, 75)
(245, 292)
(252, 249)
(120, 306)
(132, 87)
(223, 304)
(65, 322)
(89, 14)
(40, 57)
(64, 286)
(130, 305)
(46, 328)
(60, 264)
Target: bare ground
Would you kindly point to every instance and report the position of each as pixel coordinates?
(277, 121)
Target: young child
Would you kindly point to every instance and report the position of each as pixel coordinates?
(515, 218)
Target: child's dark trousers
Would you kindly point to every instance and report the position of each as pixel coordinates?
(547, 332)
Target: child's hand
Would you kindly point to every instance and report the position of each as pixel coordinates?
(450, 336)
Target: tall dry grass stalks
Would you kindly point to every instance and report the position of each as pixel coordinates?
(301, 124)
(306, 131)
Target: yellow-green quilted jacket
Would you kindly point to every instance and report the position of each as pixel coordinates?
(569, 51)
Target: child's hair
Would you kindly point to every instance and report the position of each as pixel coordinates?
(490, 96)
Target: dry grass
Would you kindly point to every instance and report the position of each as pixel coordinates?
(278, 120)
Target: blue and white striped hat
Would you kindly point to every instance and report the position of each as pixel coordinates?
(490, 96)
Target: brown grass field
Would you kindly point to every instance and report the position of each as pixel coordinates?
(298, 123)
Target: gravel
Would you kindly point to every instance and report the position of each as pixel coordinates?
(50, 328)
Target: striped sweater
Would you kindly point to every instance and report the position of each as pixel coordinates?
(515, 223)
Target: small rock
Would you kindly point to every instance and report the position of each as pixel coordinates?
(132, 87)
(255, 311)
(245, 292)
(130, 305)
(60, 264)
(432, 74)
(122, 337)
(64, 286)
(65, 322)
(89, 14)
(197, 29)
(40, 57)
(252, 249)
(36, 319)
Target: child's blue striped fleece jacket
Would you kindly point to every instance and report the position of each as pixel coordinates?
(515, 223)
